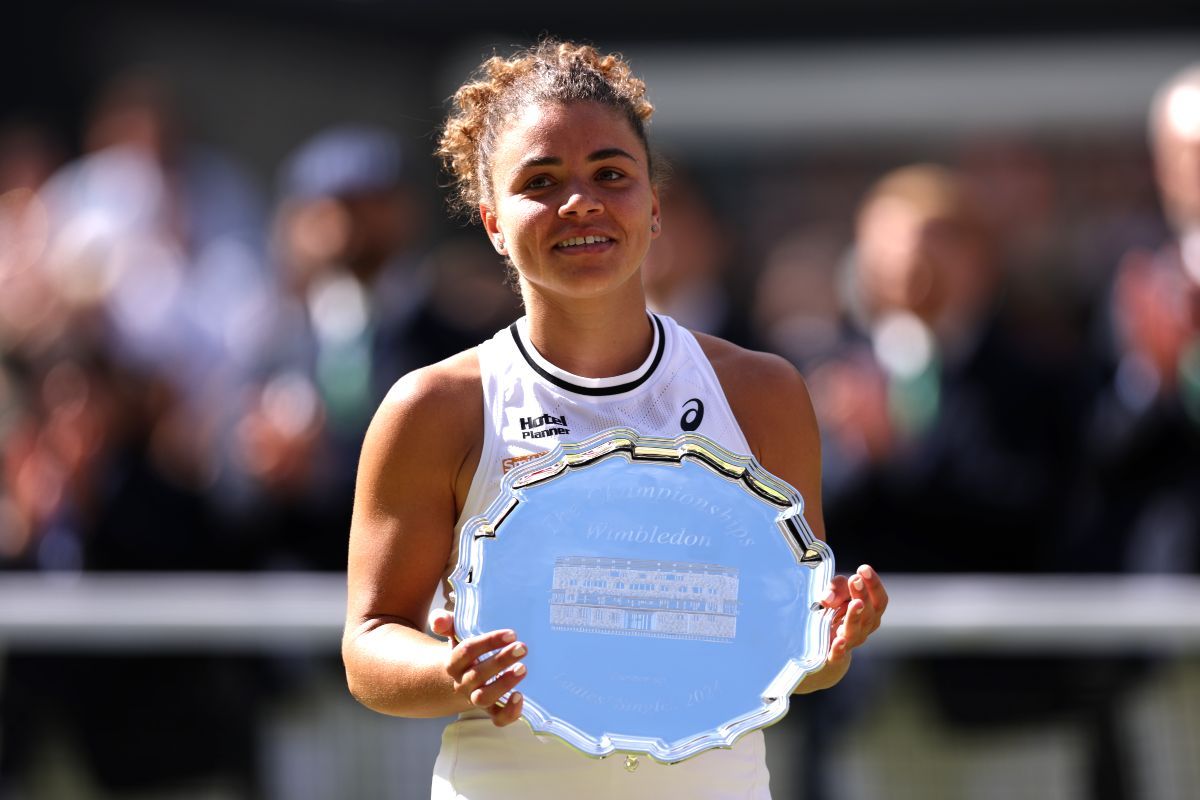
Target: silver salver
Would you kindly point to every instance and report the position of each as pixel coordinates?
(668, 590)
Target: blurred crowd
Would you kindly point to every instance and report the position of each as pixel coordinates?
(187, 373)
(188, 362)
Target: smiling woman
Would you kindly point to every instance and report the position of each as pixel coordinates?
(574, 207)
(549, 151)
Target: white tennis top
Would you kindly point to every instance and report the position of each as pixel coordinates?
(529, 406)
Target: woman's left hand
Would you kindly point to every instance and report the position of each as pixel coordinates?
(858, 602)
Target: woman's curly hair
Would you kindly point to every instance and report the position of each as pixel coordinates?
(550, 71)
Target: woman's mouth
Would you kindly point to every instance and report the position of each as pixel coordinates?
(579, 241)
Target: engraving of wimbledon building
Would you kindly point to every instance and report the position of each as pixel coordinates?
(629, 597)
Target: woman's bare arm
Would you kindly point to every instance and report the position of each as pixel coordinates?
(405, 508)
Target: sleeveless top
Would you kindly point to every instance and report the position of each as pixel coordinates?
(529, 406)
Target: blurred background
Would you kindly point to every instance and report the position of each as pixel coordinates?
(973, 228)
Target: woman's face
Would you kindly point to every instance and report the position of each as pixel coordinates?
(572, 201)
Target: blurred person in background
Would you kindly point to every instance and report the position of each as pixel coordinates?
(155, 251)
(351, 249)
(156, 248)
(1138, 506)
(1143, 510)
(953, 444)
(150, 257)
(933, 408)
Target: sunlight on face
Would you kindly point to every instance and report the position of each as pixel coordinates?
(573, 201)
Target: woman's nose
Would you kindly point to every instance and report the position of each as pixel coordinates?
(580, 203)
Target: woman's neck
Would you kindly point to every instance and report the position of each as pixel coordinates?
(595, 338)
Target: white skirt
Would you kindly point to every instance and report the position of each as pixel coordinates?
(479, 761)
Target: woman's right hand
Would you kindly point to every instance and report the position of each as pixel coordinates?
(471, 673)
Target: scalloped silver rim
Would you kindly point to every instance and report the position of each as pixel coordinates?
(627, 443)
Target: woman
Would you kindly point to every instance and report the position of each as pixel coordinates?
(549, 149)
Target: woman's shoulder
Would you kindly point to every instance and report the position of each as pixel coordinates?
(447, 381)
(740, 368)
(768, 398)
(438, 401)
(424, 435)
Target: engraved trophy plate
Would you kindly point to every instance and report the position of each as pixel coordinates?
(668, 589)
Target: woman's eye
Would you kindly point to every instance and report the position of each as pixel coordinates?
(539, 182)
(610, 174)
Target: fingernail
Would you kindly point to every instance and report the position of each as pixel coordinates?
(866, 571)
(519, 651)
(516, 697)
(519, 669)
(857, 583)
(509, 636)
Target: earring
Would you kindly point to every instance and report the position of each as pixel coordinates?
(654, 227)
(500, 243)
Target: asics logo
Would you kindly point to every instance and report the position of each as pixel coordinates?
(693, 415)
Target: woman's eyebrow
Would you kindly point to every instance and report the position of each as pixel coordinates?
(541, 161)
(554, 161)
(610, 152)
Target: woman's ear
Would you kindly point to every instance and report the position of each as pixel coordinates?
(492, 227)
(655, 215)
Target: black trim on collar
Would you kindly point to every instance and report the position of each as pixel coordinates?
(595, 390)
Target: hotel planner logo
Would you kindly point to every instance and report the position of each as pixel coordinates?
(543, 426)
